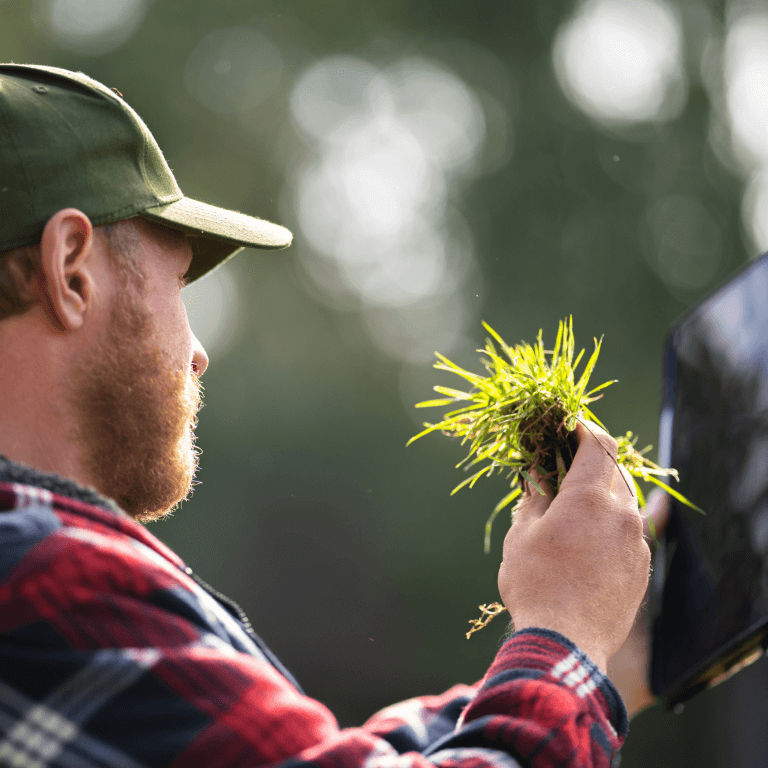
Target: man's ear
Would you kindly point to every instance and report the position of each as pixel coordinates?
(66, 278)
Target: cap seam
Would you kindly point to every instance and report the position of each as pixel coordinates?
(105, 218)
(143, 152)
(109, 218)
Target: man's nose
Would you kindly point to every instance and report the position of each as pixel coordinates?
(199, 356)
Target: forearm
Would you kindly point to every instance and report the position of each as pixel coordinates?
(563, 709)
(541, 698)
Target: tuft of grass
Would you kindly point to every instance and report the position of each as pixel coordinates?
(521, 417)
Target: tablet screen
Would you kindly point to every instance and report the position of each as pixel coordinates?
(710, 581)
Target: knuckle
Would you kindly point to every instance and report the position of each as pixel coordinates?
(647, 555)
(609, 443)
(592, 498)
(633, 524)
(595, 496)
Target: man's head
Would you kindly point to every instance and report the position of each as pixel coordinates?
(104, 351)
(98, 366)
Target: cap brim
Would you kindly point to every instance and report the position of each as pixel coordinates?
(218, 234)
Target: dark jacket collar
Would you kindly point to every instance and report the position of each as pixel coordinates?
(11, 472)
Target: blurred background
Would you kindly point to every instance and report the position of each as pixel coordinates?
(440, 163)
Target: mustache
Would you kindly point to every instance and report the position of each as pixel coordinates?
(193, 397)
(196, 389)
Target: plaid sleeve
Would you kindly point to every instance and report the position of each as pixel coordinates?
(558, 707)
(111, 657)
(542, 702)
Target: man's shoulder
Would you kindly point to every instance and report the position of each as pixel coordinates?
(42, 531)
(27, 518)
(76, 574)
(65, 563)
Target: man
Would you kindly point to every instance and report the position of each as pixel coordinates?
(112, 652)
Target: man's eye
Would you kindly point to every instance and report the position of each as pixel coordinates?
(183, 281)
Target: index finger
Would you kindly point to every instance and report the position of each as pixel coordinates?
(595, 461)
(533, 504)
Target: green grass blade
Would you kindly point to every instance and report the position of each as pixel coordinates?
(602, 386)
(430, 428)
(577, 361)
(503, 344)
(470, 480)
(584, 380)
(591, 417)
(456, 394)
(508, 499)
(651, 528)
(558, 342)
(532, 482)
(488, 526)
(672, 492)
(435, 403)
(447, 365)
(640, 496)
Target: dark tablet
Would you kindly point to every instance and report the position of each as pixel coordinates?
(709, 595)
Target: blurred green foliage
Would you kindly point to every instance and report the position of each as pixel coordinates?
(346, 550)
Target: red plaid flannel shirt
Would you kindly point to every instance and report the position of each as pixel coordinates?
(112, 654)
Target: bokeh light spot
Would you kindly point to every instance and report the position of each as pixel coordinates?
(234, 70)
(754, 208)
(94, 27)
(440, 111)
(387, 151)
(746, 65)
(687, 242)
(620, 60)
(335, 94)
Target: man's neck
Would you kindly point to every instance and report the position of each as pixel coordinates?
(36, 421)
(13, 472)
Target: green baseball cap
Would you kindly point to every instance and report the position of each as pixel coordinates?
(67, 141)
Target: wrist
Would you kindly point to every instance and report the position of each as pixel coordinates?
(585, 644)
(564, 663)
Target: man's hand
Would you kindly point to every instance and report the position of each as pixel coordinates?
(578, 563)
(628, 668)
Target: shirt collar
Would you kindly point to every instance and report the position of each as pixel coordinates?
(11, 472)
